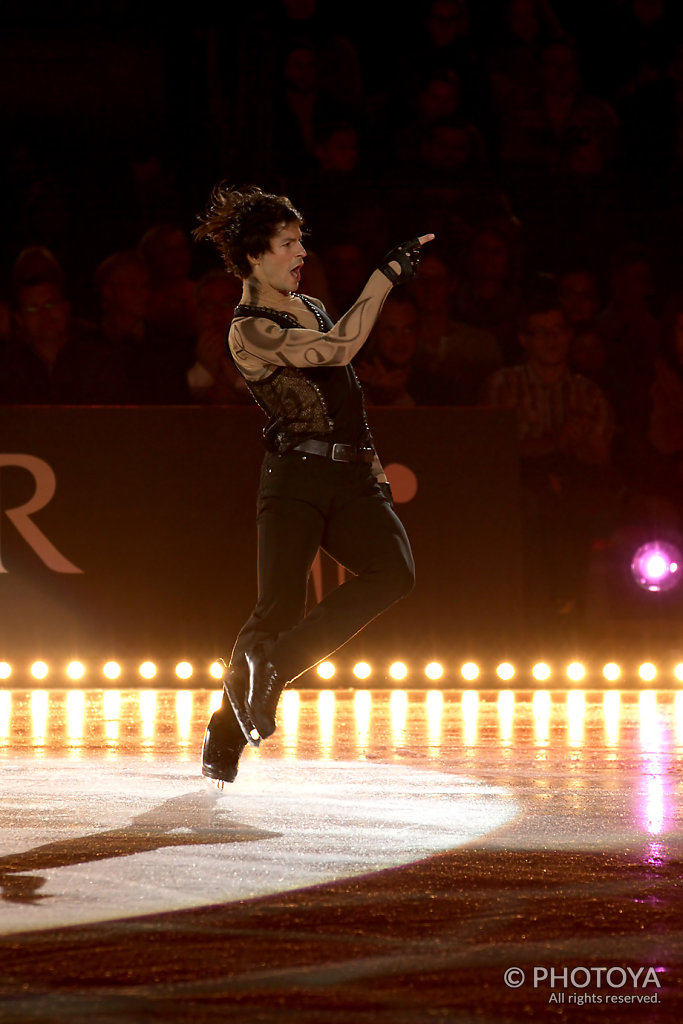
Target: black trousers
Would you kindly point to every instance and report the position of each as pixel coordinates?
(306, 502)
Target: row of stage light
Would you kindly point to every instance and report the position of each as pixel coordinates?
(469, 673)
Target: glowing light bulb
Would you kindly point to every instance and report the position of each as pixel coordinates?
(576, 671)
(148, 670)
(398, 670)
(39, 670)
(112, 670)
(362, 670)
(647, 672)
(326, 670)
(469, 671)
(434, 670)
(183, 670)
(505, 670)
(5, 670)
(541, 671)
(611, 672)
(75, 670)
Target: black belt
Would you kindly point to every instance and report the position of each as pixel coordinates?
(336, 451)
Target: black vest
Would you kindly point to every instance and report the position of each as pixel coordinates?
(323, 402)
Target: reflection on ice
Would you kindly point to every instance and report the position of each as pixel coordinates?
(39, 705)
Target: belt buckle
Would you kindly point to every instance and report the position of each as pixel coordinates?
(341, 452)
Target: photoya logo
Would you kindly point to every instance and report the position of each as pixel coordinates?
(607, 984)
(45, 485)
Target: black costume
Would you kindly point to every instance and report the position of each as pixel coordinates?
(322, 486)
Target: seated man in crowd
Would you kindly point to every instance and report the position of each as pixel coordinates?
(565, 436)
(214, 379)
(53, 358)
(155, 364)
(387, 369)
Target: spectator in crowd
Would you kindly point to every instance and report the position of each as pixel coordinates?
(665, 428)
(52, 358)
(455, 358)
(579, 294)
(537, 133)
(631, 329)
(214, 379)
(565, 436)
(166, 251)
(346, 269)
(488, 292)
(438, 98)
(588, 355)
(389, 362)
(513, 53)
(449, 183)
(155, 364)
(444, 42)
(334, 187)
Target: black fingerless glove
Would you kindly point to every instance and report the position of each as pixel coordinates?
(407, 256)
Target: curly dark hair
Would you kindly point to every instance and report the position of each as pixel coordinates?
(241, 222)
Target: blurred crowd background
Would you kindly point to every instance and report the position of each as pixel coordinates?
(541, 140)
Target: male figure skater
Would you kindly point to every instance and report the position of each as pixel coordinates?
(322, 484)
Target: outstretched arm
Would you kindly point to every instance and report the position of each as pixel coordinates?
(258, 344)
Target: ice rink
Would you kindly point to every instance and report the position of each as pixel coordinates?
(388, 855)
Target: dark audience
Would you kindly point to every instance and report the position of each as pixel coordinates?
(538, 139)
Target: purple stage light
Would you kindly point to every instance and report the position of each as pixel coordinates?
(656, 566)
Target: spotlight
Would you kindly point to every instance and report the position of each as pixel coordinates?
(469, 670)
(183, 670)
(398, 670)
(656, 566)
(216, 670)
(541, 672)
(362, 670)
(505, 671)
(75, 670)
(611, 672)
(647, 672)
(112, 670)
(325, 670)
(5, 670)
(39, 670)
(148, 670)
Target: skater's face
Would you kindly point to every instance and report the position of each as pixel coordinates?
(279, 267)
